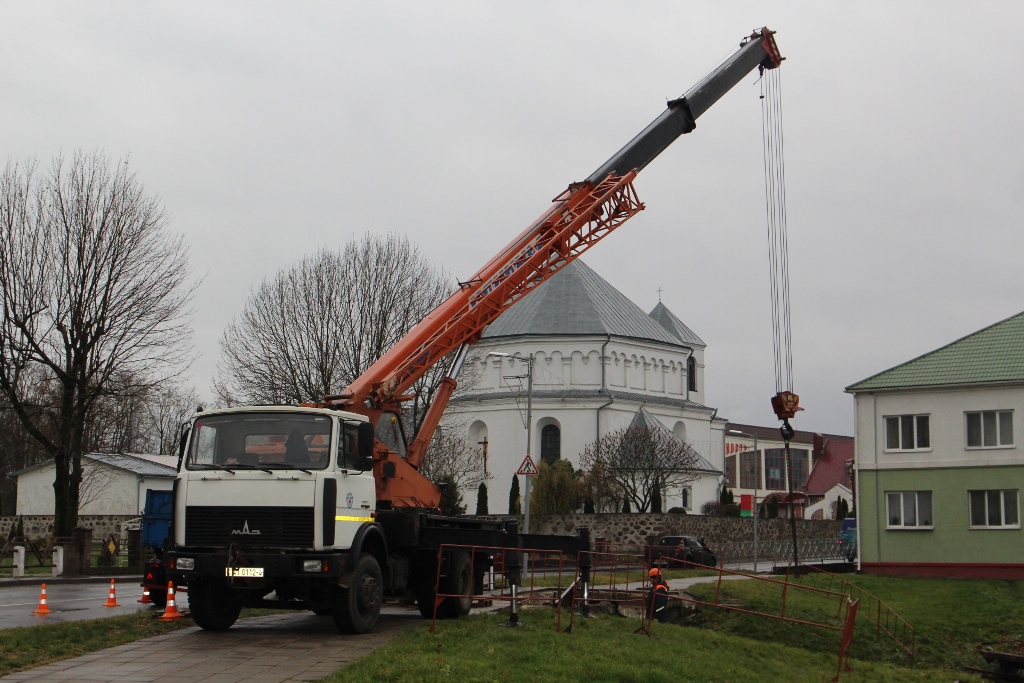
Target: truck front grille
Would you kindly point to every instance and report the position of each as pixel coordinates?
(282, 527)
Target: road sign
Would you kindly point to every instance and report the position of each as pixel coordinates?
(528, 467)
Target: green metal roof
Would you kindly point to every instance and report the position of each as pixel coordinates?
(993, 354)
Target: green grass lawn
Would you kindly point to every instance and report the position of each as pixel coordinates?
(603, 649)
(950, 616)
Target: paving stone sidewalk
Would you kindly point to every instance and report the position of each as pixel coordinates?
(271, 649)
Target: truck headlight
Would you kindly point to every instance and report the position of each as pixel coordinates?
(312, 565)
(186, 563)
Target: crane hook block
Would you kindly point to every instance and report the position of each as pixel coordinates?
(786, 404)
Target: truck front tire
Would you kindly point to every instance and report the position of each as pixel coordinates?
(214, 606)
(357, 608)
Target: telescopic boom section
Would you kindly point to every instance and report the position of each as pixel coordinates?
(578, 218)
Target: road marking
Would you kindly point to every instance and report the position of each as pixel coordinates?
(53, 602)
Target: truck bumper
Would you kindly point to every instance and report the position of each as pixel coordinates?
(254, 567)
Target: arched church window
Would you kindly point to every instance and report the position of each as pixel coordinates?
(691, 374)
(550, 443)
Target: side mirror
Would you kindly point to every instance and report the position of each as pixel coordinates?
(367, 437)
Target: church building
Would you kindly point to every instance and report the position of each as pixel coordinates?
(599, 364)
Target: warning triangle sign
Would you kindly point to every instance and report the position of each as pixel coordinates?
(528, 467)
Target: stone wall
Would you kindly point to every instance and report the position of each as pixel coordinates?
(41, 526)
(643, 529)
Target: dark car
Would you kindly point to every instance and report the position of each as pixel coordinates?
(681, 552)
(848, 539)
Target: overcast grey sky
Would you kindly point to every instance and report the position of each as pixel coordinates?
(271, 129)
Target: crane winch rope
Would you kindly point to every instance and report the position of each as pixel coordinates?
(785, 402)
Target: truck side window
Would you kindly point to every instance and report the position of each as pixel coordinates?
(348, 454)
(389, 433)
(204, 441)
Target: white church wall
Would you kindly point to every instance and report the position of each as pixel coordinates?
(567, 363)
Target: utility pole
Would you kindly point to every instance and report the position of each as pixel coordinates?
(757, 483)
(529, 424)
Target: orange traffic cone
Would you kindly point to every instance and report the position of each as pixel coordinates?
(112, 598)
(43, 607)
(171, 611)
(145, 597)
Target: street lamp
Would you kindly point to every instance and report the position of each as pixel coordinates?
(529, 422)
(757, 480)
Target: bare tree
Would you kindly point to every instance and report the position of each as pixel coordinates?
(316, 326)
(630, 464)
(92, 284)
(451, 457)
(96, 479)
(163, 412)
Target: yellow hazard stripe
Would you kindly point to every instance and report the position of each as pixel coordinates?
(344, 518)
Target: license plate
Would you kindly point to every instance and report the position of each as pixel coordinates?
(244, 571)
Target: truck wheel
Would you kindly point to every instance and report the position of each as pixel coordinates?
(459, 581)
(213, 605)
(424, 589)
(357, 608)
(159, 598)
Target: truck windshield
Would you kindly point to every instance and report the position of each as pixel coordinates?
(264, 441)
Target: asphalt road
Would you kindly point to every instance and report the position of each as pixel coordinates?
(71, 602)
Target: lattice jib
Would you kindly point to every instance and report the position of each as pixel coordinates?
(586, 218)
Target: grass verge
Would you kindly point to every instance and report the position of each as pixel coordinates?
(950, 616)
(602, 649)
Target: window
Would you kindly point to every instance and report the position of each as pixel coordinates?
(994, 509)
(550, 443)
(687, 495)
(775, 469)
(261, 440)
(799, 458)
(748, 470)
(907, 433)
(730, 471)
(908, 509)
(691, 374)
(990, 429)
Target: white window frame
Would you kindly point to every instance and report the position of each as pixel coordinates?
(899, 421)
(1002, 508)
(999, 430)
(917, 511)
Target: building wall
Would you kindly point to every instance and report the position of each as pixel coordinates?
(647, 528)
(947, 468)
(951, 540)
(563, 364)
(117, 492)
(826, 507)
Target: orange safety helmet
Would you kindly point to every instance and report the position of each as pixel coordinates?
(654, 572)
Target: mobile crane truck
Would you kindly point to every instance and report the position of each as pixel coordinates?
(322, 506)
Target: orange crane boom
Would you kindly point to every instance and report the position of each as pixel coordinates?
(578, 218)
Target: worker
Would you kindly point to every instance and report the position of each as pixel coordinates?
(657, 599)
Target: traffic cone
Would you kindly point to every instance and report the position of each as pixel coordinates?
(145, 597)
(43, 607)
(112, 598)
(171, 611)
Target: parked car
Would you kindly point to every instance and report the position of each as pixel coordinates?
(848, 539)
(680, 551)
